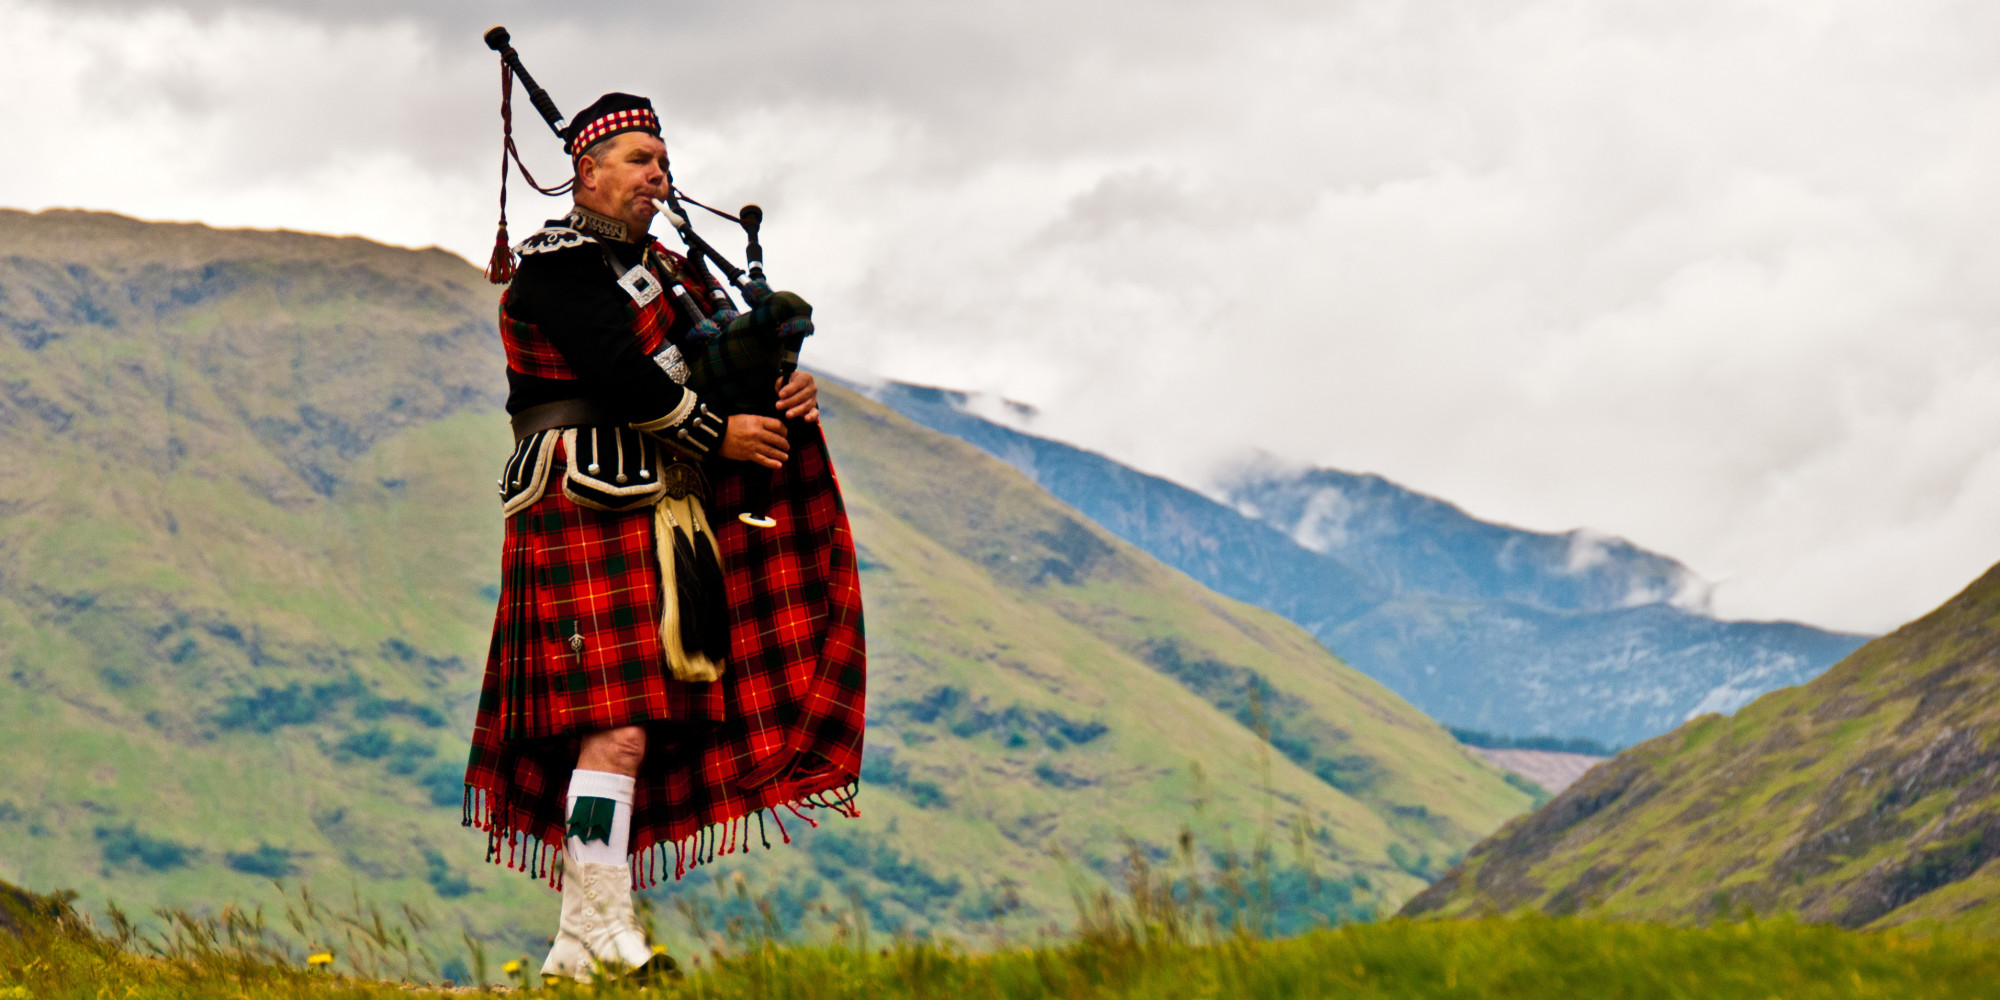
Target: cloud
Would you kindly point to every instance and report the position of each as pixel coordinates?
(1710, 276)
(1587, 549)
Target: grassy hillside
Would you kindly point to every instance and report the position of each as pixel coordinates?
(1870, 796)
(248, 561)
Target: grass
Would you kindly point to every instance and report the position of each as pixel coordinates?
(1491, 958)
(1123, 949)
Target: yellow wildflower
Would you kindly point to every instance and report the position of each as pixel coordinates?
(323, 958)
(659, 949)
(511, 967)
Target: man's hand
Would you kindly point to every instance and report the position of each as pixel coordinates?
(751, 438)
(799, 398)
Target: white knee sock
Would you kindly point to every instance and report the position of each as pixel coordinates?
(595, 788)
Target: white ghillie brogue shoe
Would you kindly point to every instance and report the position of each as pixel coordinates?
(597, 932)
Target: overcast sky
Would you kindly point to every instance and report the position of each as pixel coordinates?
(1717, 277)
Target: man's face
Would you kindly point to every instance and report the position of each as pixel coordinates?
(625, 181)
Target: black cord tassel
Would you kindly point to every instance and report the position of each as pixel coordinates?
(687, 593)
(715, 612)
(699, 593)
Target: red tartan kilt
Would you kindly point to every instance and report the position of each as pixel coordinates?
(783, 727)
(570, 571)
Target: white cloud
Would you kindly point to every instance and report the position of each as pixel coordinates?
(1587, 549)
(1710, 276)
(1323, 523)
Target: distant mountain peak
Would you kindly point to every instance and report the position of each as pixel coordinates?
(1414, 541)
(984, 405)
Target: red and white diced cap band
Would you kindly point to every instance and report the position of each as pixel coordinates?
(641, 119)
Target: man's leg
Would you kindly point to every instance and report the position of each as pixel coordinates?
(597, 927)
(600, 795)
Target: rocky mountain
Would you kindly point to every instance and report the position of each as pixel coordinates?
(1409, 542)
(248, 561)
(1870, 796)
(1481, 625)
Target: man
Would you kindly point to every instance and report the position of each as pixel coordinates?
(657, 678)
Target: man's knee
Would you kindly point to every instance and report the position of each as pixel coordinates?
(620, 750)
(627, 745)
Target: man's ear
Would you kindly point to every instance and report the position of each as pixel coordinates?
(586, 173)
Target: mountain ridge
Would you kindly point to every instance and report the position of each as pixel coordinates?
(1511, 639)
(1358, 518)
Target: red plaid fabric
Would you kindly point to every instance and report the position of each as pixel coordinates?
(782, 729)
(528, 349)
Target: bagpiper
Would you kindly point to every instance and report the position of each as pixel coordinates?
(664, 678)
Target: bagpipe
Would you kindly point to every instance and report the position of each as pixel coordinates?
(737, 356)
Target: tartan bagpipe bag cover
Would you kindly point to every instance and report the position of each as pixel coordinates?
(740, 363)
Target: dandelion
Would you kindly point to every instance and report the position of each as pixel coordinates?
(659, 949)
(511, 967)
(323, 958)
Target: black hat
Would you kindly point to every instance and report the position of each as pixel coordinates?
(606, 117)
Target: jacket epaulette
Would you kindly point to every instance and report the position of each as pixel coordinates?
(548, 240)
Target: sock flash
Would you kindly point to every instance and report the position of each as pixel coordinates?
(600, 817)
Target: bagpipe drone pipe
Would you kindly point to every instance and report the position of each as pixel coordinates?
(735, 357)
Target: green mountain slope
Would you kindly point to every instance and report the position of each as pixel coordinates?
(247, 567)
(1869, 796)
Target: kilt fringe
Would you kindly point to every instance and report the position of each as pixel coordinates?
(525, 851)
(530, 853)
(732, 835)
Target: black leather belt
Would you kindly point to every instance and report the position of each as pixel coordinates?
(562, 413)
